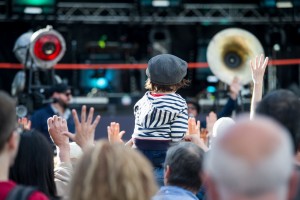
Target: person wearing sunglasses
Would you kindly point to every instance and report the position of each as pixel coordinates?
(60, 95)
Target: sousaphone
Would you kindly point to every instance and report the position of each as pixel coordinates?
(229, 53)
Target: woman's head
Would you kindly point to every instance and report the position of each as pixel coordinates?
(34, 163)
(111, 172)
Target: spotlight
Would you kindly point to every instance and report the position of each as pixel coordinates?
(39, 52)
(47, 47)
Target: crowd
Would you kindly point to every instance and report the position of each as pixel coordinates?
(251, 157)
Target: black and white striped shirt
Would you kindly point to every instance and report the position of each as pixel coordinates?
(160, 117)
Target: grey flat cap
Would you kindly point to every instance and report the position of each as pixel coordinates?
(166, 69)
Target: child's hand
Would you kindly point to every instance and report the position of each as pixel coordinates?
(114, 134)
(193, 127)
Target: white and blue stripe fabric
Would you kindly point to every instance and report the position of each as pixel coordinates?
(160, 117)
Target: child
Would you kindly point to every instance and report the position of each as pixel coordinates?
(161, 114)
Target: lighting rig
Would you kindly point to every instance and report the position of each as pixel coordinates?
(38, 52)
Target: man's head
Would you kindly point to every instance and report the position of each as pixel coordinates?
(62, 94)
(250, 160)
(9, 139)
(284, 107)
(183, 166)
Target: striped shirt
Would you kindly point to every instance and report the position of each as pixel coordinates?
(161, 118)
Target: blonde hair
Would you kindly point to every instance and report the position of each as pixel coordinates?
(113, 172)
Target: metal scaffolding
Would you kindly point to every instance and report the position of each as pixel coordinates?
(115, 13)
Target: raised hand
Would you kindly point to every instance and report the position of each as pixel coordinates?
(57, 126)
(258, 66)
(235, 88)
(211, 118)
(24, 123)
(193, 126)
(114, 134)
(85, 129)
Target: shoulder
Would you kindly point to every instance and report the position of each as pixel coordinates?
(38, 196)
(177, 97)
(5, 188)
(47, 110)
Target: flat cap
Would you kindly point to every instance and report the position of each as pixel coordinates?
(166, 69)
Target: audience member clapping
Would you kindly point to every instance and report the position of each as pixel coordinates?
(84, 137)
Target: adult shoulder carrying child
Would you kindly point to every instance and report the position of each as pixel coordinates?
(161, 114)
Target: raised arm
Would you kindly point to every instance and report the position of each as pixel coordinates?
(193, 134)
(258, 66)
(85, 129)
(25, 123)
(56, 127)
(114, 134)
(235, 88)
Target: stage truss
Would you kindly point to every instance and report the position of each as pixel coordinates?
(115, 13)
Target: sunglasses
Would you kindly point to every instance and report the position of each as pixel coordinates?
(192, 107)
(68, 94)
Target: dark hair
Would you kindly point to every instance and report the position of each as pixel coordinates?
(284, 107)
(194, 103)
(34, 165)
(166, 88)
(185, 163)
(60, 88)
(8, 117)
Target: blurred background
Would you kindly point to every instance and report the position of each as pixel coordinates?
(108, 43)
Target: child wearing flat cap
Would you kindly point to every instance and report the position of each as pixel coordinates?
(161, 114)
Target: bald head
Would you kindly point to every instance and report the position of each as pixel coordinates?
(251, 159)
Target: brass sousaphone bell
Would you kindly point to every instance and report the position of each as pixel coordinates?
(229, 53)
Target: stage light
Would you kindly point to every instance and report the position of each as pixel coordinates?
(276, 47)
(33, 10)
(102, 83)
(47, 47)
(160, 3)
(34, 6)
(211, 89)
(212, 79)
(21, 49)
(102, 41)
(278, 3)
(284, 4)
